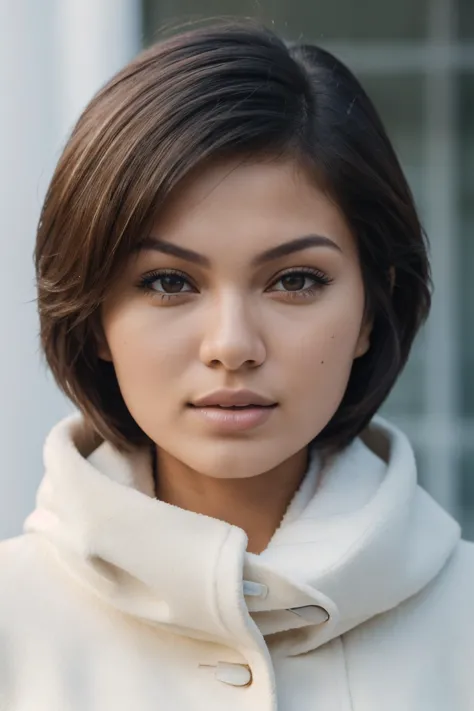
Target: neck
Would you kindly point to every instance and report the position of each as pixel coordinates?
(256, 505)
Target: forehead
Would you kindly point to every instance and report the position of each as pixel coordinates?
(249, 205)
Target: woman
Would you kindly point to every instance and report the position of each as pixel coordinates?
(231, 273)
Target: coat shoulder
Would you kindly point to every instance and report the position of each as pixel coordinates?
(17, 590)
(28, 573)
(15, 553)
(454, 586)
(18, 559)
(463, 561)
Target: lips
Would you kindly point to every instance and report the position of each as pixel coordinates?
(228, 419)
(233, 408)
(233, 399)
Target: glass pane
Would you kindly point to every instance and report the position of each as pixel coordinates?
(399, 100)
(425, 477)
(465, 18)
(466, 495)
(465, 136)
(406, 397)
(314, 21)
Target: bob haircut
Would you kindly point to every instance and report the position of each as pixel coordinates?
(230, 89)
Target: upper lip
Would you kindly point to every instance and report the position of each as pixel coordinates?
(227, 398)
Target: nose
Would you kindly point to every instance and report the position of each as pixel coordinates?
(232, 338)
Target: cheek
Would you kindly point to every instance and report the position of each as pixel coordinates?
(145, 351)
(321, 363)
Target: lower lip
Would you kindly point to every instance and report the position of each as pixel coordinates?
(230, 420)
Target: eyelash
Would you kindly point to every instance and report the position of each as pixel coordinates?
(321, 279)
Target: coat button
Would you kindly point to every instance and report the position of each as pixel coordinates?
(252, 589)
(233, 674)
(313, 614)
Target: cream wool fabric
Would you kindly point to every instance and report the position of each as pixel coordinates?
(114, 601)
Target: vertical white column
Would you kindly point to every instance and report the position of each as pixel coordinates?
(95, 39)
(27, 132)
(442, 433)
(54, 54)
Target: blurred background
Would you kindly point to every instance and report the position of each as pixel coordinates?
(416, 60)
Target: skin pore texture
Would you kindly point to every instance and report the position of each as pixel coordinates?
(287, 328)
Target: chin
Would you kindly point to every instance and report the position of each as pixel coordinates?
(235, 460)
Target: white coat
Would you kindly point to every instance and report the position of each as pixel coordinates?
(114, 601)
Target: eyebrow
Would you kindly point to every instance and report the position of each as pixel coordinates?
(281, 250)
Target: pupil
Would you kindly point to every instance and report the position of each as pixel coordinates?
(172, 283)
(293, 282)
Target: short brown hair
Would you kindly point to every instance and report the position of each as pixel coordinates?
(227, 89)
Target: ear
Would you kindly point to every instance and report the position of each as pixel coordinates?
(391, 278)
(363, 342)
(103, 350)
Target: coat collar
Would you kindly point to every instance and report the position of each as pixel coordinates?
(363, 540)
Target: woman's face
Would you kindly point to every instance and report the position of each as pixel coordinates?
(211, 302)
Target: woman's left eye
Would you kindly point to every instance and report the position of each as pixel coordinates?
(302, 281)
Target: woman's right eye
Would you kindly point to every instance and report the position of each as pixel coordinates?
(165, 283)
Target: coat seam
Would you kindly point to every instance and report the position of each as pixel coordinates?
(215, 584)
(346, 672)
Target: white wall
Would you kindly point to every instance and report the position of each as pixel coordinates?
(54, 54)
